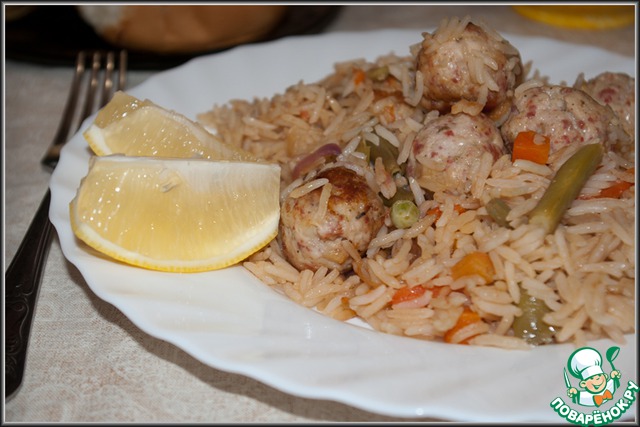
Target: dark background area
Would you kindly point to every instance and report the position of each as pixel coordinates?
(54, 34)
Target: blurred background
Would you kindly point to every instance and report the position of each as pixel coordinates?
(157, 36)
(164, 36)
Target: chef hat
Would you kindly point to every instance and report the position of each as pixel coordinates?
(585, 362)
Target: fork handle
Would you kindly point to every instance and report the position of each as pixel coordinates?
(22, 283)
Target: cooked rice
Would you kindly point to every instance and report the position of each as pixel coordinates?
(584, 271)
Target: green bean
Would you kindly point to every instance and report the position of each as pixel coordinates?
(565, 187)
(498, 211)
(404, 213)
(364, 148)
(402, 193)
(530, 326)
(389, 154)
(379, 73)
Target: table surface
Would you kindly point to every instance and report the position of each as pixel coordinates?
(87, 362)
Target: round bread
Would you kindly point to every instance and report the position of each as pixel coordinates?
(181, 29)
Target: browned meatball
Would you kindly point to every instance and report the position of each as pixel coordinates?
(354, 212)
(566, 115)
(448, 148)
(617, 90)
(465, 62)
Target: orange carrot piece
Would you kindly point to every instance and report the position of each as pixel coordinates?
(407, 293)
(437, 212)
(467, 318)
(531, 146)
(474, 263)
(390, 113)
(614, 191)
(459, 209)
(304, 115)
(436, 291)
(359, 76)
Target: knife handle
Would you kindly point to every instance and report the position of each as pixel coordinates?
(22, 283)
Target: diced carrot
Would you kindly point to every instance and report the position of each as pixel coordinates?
(616, 190)
(390, 113)
(459, 209)
(467, 318)
(304, 115)
(613, 192)
(436, 291)
(437, 212)
(407, 293)
(474, 263)
(531, 146)
(359, 76)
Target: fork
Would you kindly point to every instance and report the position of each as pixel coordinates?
(23, 277)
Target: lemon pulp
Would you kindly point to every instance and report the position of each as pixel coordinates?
(130, 126)
(176, 215)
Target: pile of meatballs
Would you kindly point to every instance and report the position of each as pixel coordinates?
(481, 110)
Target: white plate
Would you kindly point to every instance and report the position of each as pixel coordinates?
(231, 321)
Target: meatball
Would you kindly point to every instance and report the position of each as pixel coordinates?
(464, 62)
(617, 90)
(566, 115)
(448, 149)
(354, 212)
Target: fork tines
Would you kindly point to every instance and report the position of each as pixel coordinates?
(101, 77)
(103, 68)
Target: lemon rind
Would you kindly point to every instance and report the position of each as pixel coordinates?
(96, 241)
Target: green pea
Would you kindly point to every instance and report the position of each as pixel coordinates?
(404, 213)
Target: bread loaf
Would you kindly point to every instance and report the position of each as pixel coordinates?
(181, 29)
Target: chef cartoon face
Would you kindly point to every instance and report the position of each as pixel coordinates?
(598, 387)
(594, 389)
(586, 364)
(595, 383)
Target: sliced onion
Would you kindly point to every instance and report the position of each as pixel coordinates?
(304, 165)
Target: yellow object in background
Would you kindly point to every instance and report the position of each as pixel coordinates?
(581, 17)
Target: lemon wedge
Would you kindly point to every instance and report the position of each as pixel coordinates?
(176, 215)
(130, 126)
